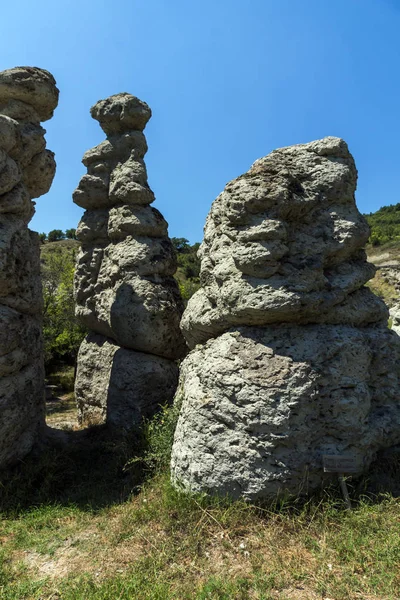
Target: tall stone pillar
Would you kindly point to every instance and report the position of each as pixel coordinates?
(125, 291)
(28, 95)
(291, 356)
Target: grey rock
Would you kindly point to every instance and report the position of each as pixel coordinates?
(10, 173)
(20, 284)
(137, 221)
(293, 358)
(124, 285)
(17, 202)
(32, 86)
(20, 340)
(283, 242)
(136, 312)
(117, 148)
(261, 406)
(118, 386)
(27, 96)
(121, 113)
(22, 411)
(39, 173)
(8, 133)
(395, 317)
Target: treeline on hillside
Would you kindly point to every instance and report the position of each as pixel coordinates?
(55, 235)
(385, 225)
(62, 332)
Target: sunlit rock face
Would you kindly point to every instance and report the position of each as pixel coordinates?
(28, 95)
(124, 285)
(292, 358)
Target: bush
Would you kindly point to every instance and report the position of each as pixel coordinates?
(61, 330)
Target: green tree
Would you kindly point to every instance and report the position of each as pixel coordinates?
(61, 330)
(42, 237)
(180, 244)
(70, 234)
(385, 225)
(55, 235)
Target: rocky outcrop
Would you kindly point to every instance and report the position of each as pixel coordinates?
(28, 95)
(293, 357)
(125, 290)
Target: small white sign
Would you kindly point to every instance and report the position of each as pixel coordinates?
(340, 463)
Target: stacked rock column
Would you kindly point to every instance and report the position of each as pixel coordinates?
(125, 291)
(292, 359)
(28, 96)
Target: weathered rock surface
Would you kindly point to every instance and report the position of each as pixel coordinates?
(395, 316)
(121, 386)
(124, 285)
(294, 359)
(28, 95)
(284, 242)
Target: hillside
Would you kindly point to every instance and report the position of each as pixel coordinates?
(384, 251)
(385, 225)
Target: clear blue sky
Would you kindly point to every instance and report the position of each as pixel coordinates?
(227, 80)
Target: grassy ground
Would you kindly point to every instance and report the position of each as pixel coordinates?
(89, 522)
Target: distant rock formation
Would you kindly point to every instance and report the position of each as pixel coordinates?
(395, 317)
(28, 95)
(125, 290)
(293, 359)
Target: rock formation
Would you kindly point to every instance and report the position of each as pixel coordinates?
(28, 95)
(294, 359)
(125, 291)
(395, 317)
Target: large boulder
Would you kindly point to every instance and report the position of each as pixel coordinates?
(119, 386)
(292, 359)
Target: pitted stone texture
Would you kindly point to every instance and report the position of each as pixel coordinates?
(27, 96)
(283, 243)
(124, 285)
(120, 222)
(117, 148)
(22, 407)
(20, 284)
(32, 86)
(296, 360)
(260, 406)
(120, 113)
(120, 387)
(137, 312)
(39, 173)
(20, 340)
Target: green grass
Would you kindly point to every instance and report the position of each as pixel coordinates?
(90, 523)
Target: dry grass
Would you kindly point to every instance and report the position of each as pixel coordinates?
(161, 544)
(383, 289)
(93, 525)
